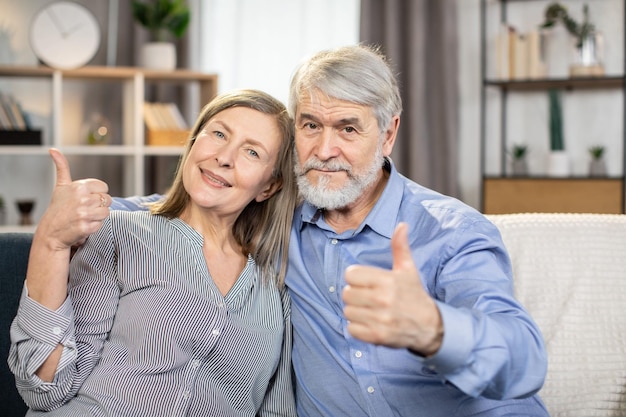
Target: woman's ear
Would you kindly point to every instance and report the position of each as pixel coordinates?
(269, 191)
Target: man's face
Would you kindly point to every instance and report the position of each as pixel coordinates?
(339, 151)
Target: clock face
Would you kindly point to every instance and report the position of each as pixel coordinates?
(65, 35)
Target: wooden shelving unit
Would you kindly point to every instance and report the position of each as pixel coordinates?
(131, 152)
(506, 194)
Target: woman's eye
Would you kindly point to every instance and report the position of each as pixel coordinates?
(219, 134)
(253, 153)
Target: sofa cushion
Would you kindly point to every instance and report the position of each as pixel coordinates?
(570, 272)
(14, 251)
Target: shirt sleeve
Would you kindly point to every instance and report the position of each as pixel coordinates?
(81, 325)
(279, 399)
(491, 346)
(134, 203)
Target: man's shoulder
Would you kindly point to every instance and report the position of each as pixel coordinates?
(420, 200)
(134, 203)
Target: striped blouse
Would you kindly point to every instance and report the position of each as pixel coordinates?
(146, 332)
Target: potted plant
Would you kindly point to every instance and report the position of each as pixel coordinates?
(518, 164)
(588, 40)
(164, 19)
(597, 166)
(558, 162)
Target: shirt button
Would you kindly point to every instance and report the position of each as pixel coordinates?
(358, 354)
(215, 332)
(334, 241)
(370, 390)
(56, 330)
(331, 288)
(195, 363)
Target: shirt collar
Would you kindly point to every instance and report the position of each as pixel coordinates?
(382, 217)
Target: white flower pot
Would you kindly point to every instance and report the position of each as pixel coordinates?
(158, 56)
(558, 164)
(597, 167)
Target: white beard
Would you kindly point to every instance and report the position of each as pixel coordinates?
(323, 197)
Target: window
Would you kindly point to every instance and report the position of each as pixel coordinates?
(258, 43)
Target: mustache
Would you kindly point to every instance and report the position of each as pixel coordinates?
(333, 165)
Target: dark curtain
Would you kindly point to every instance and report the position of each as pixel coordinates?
(420, 39)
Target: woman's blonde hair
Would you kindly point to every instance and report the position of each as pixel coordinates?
(262, 229)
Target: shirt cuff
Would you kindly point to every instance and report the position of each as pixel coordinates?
(457, 343)
(46, 326)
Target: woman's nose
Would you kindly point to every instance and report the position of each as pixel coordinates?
(225, 156)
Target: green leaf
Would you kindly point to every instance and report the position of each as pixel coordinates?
(162, 16)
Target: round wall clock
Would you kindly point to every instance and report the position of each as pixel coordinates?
(65, 35)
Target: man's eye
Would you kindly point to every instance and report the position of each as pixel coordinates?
(349, 129)
(310, 125)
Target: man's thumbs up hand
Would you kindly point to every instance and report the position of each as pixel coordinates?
(76, 209)
(392, 308)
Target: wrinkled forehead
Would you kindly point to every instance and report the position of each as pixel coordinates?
(320, 106)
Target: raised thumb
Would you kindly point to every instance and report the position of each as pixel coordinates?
(63, 167)
(400, 250)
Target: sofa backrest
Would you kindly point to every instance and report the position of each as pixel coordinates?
(569, 271)
(14, 250)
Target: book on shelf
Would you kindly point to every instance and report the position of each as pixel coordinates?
(163, 116)
(12, 117)
(165, 124)
(519, 56)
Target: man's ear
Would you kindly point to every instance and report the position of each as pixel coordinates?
(269, 191)
(390, 135)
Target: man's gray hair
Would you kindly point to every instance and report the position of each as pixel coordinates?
(358, 73)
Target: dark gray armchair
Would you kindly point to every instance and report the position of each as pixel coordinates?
(14, 250)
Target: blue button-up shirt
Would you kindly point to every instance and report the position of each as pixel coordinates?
(492, 351)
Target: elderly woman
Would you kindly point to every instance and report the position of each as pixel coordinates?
(179, 310)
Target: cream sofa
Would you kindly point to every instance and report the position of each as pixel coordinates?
(570, 272)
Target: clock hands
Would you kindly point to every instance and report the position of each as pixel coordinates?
(56, 21)
(72, 30)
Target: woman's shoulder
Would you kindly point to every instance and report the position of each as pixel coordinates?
(132, 219)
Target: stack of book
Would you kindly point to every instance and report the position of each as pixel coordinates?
(165, 124)
(15, 128)
(520, 56)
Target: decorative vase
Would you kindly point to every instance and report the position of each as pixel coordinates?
(558, 164)
(589, 57)
(97, 130)
(25, 207)
(519, 167)
(597, 167)
(158, 56)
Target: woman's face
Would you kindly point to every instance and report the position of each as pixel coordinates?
(232, 159)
